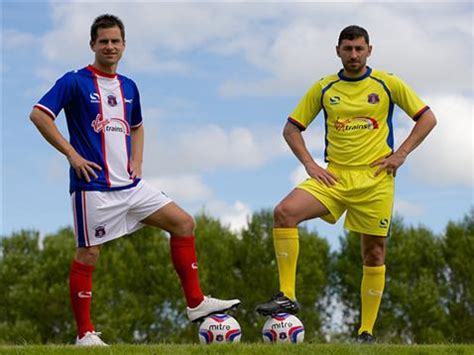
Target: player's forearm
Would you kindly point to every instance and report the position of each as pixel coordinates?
(50, 132)
(420, 131)
(137, 141)
(295, 141)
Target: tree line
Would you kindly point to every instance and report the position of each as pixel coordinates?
(428, 298)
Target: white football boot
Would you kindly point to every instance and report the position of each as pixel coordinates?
(91, 339)
(210, 306)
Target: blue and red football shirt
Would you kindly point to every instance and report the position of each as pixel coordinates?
(100, 110)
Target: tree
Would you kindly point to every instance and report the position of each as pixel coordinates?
(34, 304)
(458, 250)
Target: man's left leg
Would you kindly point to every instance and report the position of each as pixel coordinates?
(373, 281)
(180, 225)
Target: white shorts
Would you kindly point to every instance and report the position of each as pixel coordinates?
(100, 216)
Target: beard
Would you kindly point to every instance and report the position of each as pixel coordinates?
(354, 67)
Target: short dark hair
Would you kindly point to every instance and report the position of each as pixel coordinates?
(353, 32)
(106, 21)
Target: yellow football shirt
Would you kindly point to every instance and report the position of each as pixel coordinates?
(358, 114)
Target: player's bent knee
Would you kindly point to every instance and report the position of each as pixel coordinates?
(189, 225)
(282, 216)
(185, 227)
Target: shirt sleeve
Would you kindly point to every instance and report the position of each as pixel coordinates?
(406, 98)
(308, 108)
(58, 96)
(136, 118)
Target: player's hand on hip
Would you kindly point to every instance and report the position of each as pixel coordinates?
(389, 164)
(84, 168)
(321, 175)
(136, 169)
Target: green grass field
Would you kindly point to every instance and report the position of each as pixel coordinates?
(260, 349)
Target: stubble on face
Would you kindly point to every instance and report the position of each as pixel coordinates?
(354, 54)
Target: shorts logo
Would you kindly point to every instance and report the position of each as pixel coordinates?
(112, 100)
(355, 123)
(100, 231)
(334, 100)
(383, 223)
(194, 266)
(373, 99)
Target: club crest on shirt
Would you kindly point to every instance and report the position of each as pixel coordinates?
(373, 99)
(112, 100)
(116, 125)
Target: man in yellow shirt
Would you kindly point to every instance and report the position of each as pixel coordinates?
(358, 104)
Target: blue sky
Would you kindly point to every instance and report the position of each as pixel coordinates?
(217, 81)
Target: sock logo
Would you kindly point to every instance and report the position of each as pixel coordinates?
(194, 266)
(282, 254)
(373, 292)
(84, 294)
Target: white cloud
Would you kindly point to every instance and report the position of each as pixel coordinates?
(299, 51)
(186, 188)
(13, 39)
(446, 157)
(282, 42)
(234, 215)
(407, 208)
(298, 175)
(210, 147)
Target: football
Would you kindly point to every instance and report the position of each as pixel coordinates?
(283, 328)
(219, 328)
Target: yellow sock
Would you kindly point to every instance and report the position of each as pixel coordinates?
(373, 282)
(286, 243)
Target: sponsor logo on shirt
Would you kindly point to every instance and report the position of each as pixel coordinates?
(116, 125)
(355, 123)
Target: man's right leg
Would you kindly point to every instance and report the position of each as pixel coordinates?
(80, 290)
(298, 206)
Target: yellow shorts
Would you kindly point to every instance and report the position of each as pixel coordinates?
(368, 199)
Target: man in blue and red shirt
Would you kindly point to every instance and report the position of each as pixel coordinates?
(109, 197)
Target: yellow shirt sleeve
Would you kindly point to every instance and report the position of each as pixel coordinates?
(405, 97)
(308, 107)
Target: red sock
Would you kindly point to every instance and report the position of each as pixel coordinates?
(183, 255)
(80, 290)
